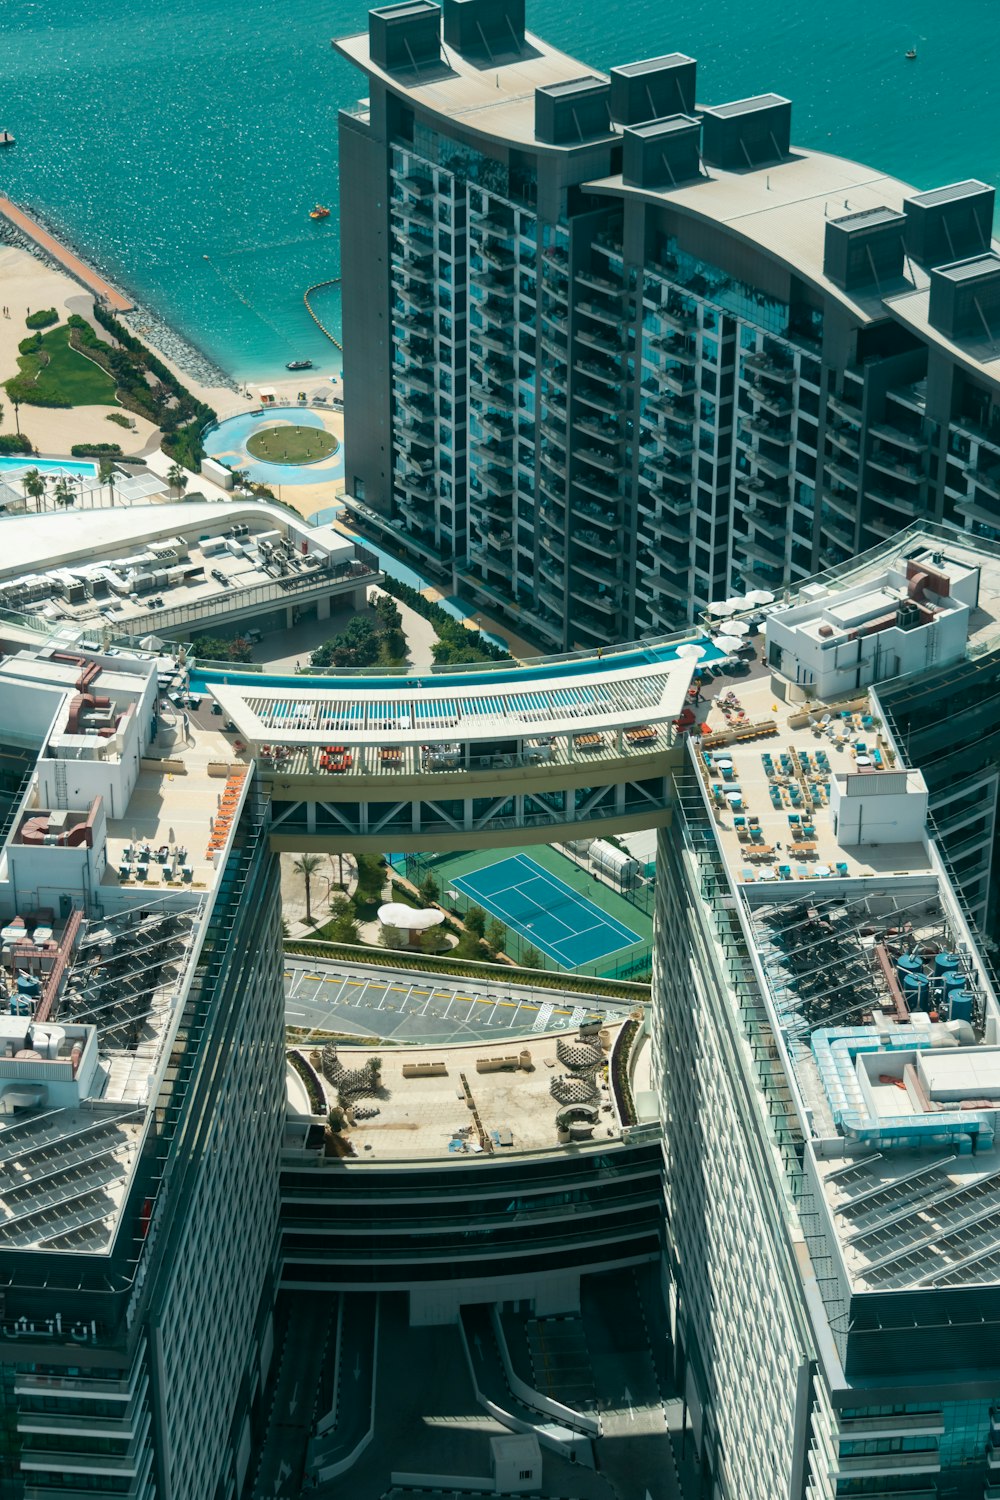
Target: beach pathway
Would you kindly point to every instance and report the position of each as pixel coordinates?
(72, 263)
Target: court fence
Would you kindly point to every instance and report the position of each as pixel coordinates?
(636, 966)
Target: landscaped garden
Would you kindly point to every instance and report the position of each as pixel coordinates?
(52, 373)
(285, 444)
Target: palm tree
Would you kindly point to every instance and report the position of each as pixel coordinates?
(177, 479)
(64, 492)
(241, 479)
(34, 485)
(306, 865)
(107, 474)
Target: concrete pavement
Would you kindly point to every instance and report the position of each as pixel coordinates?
(321, 995)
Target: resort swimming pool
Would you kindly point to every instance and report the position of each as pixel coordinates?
(227, 444)
(75, 467)
(499, 678)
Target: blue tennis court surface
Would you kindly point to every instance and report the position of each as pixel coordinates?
(566, 927)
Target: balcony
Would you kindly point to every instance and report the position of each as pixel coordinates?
(608, 315)
(889, 464)
(678, 318)
(597, 571)
(782, 436)
(911, 441)
(763, 364)
(681, 446)
(908, 505)
(593, 515)
(769, 401)
(600, 284)
(497, 422)
(610, 373)
(665, 526)
(595, 485)
(597, 399)
(679, 349)
(982, 515)
(601, 460)
(407, 213)
(497, 256)
(843, 408)
(553, 545)
(595, 599)
(985, 477)
(557, 344)
(607, 432)
(613, 348)
(842, 473)
(483, 397)
(412, 378)
(844, 437)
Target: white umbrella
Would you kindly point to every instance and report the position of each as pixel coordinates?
(690, 652)
(760, 596)
(736, 603)
(723, 608)
(737, 627)
(728, 643)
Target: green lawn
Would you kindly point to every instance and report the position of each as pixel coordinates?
(285, 444)
(447, 867)
(67, 378)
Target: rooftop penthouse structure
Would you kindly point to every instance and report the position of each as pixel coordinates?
(619, 348)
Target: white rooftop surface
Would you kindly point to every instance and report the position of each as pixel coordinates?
(402, 716)
(960, 558)
(784, 209)
(497, 100)
(39, 543)
(978, 352)
(969, 1072)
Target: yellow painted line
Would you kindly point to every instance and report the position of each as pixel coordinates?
(314, 976)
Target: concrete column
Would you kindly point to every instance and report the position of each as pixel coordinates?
(310, 817)
(289, 613)
(323, 608)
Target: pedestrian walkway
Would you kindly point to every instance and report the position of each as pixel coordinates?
(59, 252)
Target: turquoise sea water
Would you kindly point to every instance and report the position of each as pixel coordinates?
(154, 135)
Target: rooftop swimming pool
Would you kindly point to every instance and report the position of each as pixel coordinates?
(73, 467)
(500, 677)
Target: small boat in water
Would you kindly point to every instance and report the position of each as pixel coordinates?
(299, 364)
(319, 212)
(6, 139)
(911, 55)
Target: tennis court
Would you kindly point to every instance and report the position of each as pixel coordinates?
(564, 926)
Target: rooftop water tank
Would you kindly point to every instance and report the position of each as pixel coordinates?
(909, 963)
(945, 963)
(960, 1005)
(917, 990)
(27, 984)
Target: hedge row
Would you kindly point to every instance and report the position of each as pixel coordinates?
(317, 1099)
(573, 984)
(96, 450)
(15, 442)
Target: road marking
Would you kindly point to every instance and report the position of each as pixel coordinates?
(541, 1019)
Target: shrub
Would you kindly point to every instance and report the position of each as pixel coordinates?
(43, 319)
(116, 416)
(475, 921)
(96, 450)
(15, 442)
(31, 344)
(23, 390)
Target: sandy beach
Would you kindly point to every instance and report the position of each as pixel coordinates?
(30, 283)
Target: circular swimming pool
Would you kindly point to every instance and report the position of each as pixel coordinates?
(229, 444)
